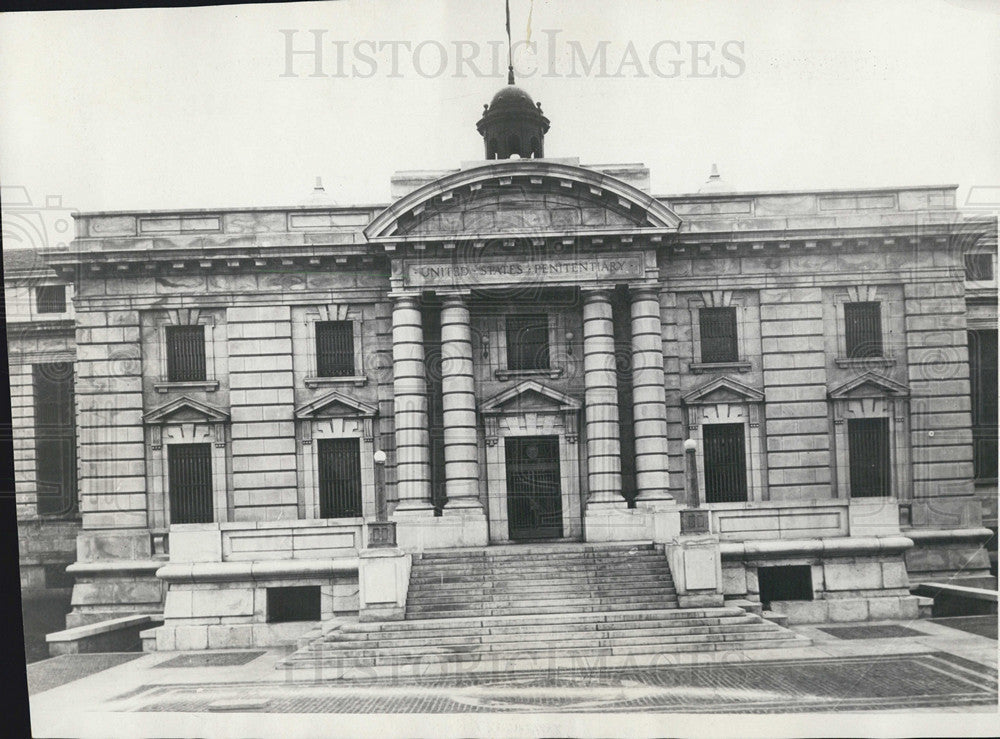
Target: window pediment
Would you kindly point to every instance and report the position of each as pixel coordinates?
(529, 396)
(335, 404)
(869, 385)
(185, 410)
(723, 390)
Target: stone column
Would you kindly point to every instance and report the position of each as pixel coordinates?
(461, 456)
(409, 385)
(649, 398)
(601, 401)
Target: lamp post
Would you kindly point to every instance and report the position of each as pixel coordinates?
(694, 520)
(381, 531)
(691, 469)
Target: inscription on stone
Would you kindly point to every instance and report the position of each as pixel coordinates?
(493, 272)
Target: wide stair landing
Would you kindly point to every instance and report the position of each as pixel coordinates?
(535, 607)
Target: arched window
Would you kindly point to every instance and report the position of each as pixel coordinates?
(513, 145)
(491, 149)
(536, 150)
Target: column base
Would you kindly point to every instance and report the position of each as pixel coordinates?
(615, 522)
(664, 518)
(456, 527)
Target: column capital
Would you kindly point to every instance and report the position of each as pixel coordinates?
(644, 292)
(398, 296)
(596, 294)
(454, 298)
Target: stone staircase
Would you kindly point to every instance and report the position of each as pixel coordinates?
(539, 579)
(535, 607)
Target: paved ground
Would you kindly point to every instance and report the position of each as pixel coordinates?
(931, 669)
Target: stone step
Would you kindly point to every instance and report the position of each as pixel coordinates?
(580, 642)
(540, 600)
(529, 592)
(555, 605)
(568, 574)
(548, 618)
(509, 658)
(544, 610)
(532, 585)
(617, 636)
(605, 629)
(563, 569)
(632, 626)
(545, 549)
(487, 581)
(622, 558)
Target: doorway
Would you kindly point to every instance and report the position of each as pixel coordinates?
(534, 494)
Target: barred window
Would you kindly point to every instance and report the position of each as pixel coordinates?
(189, 467)
(55, 439)
(339, 478)
(725, 463)
(185, 353)
(868, 453)
(978, 267)
(718, 335)
(50, 299)
(983, 376)
(335, 348)
(528, 342)
(863, 329)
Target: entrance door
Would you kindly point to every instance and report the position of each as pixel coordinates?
(534, 497)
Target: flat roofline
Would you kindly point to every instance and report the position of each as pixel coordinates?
(380, 206)
(823, 191)
(241, 209)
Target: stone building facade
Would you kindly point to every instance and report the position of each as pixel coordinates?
(41, 356)
(528, 343)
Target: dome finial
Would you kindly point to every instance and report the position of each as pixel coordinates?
(715, 183)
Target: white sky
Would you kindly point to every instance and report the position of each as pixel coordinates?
(148, 109)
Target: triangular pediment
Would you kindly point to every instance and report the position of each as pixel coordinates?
(530, 396)
(869, 385)
(723, 390)
(186, 410)
(335, 404)
(521, 197)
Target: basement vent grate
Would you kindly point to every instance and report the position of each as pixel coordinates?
(880, 631)
(211, 659)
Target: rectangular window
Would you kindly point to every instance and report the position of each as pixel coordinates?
(189, 467)
(868, 452)
(339, 478)
(50, 299)
(983, 376)
(528, 342)
(185, 353)
(718, 335)
(978, 267)
(725, 463)
(296, 603)
(863, 329)
(784, 582)
(335, 348)
(55, 439)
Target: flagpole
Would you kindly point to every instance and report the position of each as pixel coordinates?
(510, 51)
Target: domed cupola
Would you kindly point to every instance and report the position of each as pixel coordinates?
(513, 124)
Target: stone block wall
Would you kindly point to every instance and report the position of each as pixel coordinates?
(264, 481)
(796, 413)
(938, 362)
